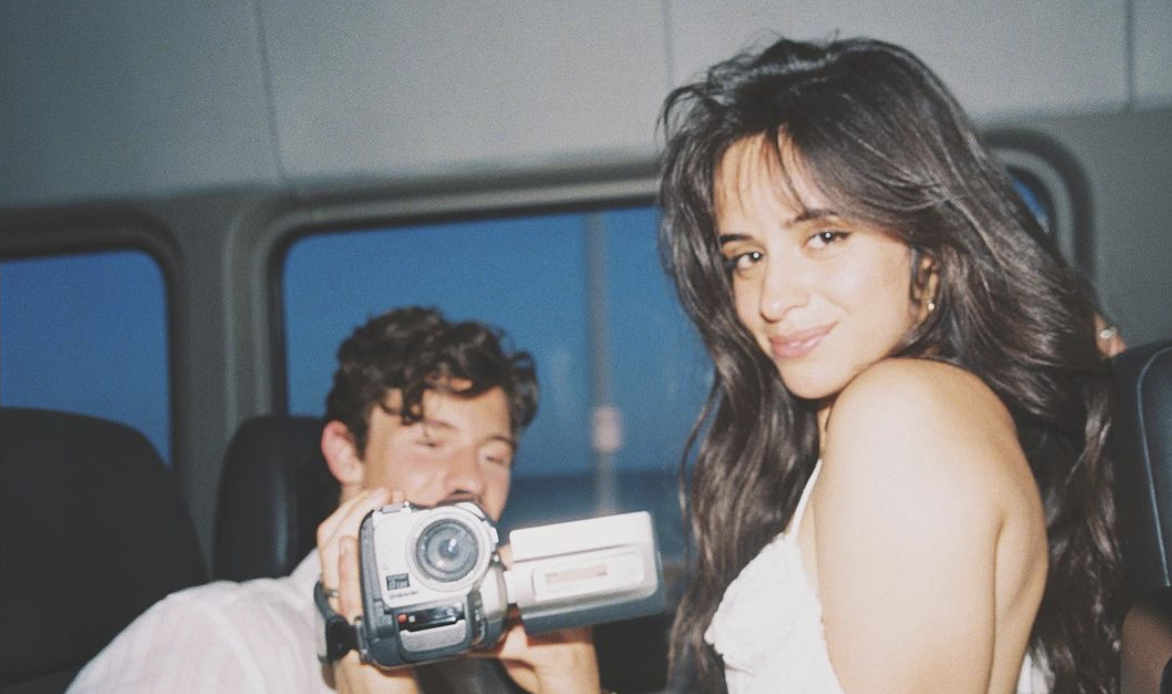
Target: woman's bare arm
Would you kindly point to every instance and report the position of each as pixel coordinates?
(920, 462)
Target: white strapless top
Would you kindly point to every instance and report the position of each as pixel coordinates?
(768, 628)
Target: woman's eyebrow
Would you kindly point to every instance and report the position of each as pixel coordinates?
(731, 238)
(811, 215)
(803, 217)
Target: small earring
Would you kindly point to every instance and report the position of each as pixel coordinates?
(931, 306)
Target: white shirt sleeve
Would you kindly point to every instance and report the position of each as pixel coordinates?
(221, 637)
(176, 646)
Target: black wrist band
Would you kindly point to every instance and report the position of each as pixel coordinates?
(341, 636)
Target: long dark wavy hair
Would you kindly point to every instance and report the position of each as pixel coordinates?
(879, 134)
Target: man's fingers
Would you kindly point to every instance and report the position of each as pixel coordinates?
(344, 523)
(351, 513)
(349, 588)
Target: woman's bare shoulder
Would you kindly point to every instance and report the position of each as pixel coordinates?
(914, 380)
(930, 427)
(922, 473)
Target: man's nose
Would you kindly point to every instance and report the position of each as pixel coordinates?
(783, 287)
(464, 475)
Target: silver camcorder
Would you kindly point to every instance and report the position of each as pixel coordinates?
(434, 585)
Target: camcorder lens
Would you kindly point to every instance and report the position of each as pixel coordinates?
(447, 550)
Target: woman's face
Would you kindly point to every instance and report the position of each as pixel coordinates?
(823, 296)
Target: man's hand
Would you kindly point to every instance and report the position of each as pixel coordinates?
(561, 662)
(1108, 338)
(337, 545)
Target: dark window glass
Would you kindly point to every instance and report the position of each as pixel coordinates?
(87, 333)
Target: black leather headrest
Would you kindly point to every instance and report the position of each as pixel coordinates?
(94, 532)
(1145, 661)
(1141, 445)
(274, 492)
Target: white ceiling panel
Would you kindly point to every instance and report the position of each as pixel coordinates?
(1001, 57)
(1152, 32)
(404, 88)
(130, 98)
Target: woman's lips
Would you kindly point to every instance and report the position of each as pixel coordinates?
(799, 344)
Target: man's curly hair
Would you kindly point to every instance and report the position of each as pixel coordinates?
(414, 350)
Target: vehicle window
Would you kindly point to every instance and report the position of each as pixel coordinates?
(622, 374)
(1036, 197)
(87, 333)
(1050, 184)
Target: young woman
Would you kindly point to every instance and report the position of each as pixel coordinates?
(901, 484)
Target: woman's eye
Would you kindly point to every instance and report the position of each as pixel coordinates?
(827, 238)
(741, 261)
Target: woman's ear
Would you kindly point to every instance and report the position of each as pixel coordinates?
(928, 284)
(342, 456)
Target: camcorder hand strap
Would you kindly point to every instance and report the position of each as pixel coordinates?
(340, 636)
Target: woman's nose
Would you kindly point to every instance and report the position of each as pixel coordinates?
(783, 287)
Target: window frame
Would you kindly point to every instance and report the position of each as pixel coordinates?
(1042, 161)
(437, 201)
(37, 234)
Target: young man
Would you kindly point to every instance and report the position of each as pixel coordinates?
(421, 409)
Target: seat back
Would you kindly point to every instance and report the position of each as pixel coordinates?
(274, 492)
(1141, 446)
(94, 532)
(1146, 658)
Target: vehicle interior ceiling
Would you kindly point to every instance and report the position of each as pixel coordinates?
(222, 170)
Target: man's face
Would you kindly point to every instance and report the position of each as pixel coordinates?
(462, 445)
